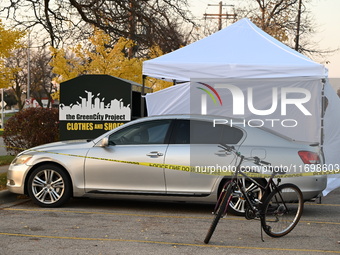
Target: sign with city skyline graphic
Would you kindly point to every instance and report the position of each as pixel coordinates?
(93, 104)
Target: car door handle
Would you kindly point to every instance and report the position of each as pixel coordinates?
(154, 154)
(222, 153)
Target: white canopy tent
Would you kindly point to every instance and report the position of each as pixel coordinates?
(243, 56)
(241, 50)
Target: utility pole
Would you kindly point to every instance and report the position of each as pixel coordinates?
(220, 15)
(28, 95)
(298, 27)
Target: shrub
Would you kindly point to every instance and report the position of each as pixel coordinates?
(31, 127)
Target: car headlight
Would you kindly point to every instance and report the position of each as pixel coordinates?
(22, 159)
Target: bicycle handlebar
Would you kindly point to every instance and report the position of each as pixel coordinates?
(232, 149)
(227, 147)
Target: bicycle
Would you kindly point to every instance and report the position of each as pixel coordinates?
(279, 209)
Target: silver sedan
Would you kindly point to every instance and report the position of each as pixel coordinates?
(173, 157)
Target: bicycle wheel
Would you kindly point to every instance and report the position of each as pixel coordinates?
(282, 210)
(225, 199)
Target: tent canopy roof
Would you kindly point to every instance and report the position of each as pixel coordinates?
(241, 50)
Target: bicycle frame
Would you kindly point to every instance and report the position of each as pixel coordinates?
(236, 180)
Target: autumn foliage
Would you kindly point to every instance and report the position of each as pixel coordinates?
(10, 39)
(100, 58)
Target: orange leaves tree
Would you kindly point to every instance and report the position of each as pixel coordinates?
(10, 39)
(98, 56)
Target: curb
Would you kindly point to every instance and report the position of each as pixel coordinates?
(6, 196)
(8, 199)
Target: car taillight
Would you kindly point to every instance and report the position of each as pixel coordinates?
(309, 157)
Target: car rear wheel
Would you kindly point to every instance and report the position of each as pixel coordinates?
(49, 186)
(237, 205)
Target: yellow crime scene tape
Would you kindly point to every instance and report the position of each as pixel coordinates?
(229, 171)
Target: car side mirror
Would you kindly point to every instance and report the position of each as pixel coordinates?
(104, 142)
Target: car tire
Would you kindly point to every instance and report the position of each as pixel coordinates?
(237, 205)
(49, 186)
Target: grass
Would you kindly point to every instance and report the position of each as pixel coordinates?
(4, 160)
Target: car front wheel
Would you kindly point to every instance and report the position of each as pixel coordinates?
(49, 186)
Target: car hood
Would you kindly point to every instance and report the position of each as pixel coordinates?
(72, 144)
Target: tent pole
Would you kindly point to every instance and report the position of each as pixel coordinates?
(324, 103)
(142, 104)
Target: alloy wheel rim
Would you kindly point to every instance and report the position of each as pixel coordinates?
(238, 203)
(48, 186)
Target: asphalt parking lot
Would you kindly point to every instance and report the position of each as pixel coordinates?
(101, 226)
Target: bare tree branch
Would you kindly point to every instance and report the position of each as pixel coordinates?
(147, 22)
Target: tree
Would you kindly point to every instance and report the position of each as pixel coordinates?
(97, 58)
(146, 22)
(286, 20)
(17, 78)
(10, 98)
(101, 58)
(276, 17)
(40, 75)
(10, 39)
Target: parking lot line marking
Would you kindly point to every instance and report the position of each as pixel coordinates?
(155, 216)
(322, 204)
(169, 243)
(107, 213)
(124, 214)
(320, 222)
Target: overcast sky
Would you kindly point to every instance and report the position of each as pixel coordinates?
(327, 17)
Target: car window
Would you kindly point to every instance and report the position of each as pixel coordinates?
(150, 132)
(203, 132)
